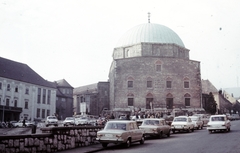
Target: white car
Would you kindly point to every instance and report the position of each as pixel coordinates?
(120, 132)
(218, 123)
(51, 120)
(83, 120)
(69, 121)
(20, 123)
(182, 123)
(198, 123)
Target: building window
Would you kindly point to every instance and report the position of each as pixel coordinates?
(27, 91)
(15, 103)
(43, 113)
(44, 96)
(16, 89)
(26, 105)
(48, 97)
(7, 102)
(187, 101)
(158, 68)
(0, 85)
(130, 84)
(130, 101)
(8, 87)
(186, 84)
(149, 84)
(48, 112)
(38, 112)
(39, 96)
(169, 84)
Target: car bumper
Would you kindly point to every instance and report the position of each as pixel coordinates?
(116, 141)
(217, 128)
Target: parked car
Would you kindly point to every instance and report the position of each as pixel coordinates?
(204, 118)
(51, 120)
(235, 117)
(218, 123)
(198, 123)
(155, 127)
(120, 132)
(69, 121)
(182, 123)
(82, 120)
(20, 123)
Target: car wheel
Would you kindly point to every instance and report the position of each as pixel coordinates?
(168, 134)
(188, 130)
(160, 135)
(173, 131)
(142, 140)
(198, 127)
(104, 145)
(46, 125)
(128, 143)
(229, 129)
(209, 131)
(201, 127)
(192, 129)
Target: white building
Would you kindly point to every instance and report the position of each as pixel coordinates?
(24, 93)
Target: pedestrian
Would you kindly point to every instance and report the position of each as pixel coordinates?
(24, 122)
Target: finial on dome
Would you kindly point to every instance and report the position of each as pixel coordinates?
(149, 17)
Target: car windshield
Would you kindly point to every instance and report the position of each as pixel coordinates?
(116, 126)
(69, 118)
(180, 119)
(150, 122)
(217, 119)
(52, 117)
(194, 119)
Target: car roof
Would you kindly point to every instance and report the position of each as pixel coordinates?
(217, 115)
(121, 121)
(181, 116)
(153, 119)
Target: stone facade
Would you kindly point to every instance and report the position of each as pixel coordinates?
(139, 64)
(55, 139)
(91, 99)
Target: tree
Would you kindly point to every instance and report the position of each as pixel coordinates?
(211, 105)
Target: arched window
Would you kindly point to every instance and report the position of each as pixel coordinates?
(187, 98)
(169, 101)
(149, 82)
(186, 84)
(130, 82)
(130, 97)
(158, 65)
(149, 101)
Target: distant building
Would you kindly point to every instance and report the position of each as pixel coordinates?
(24, 93)
(64, 102)
(91, 99)
(151, 71)
(223, 104)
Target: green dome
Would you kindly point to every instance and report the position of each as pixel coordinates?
(149, 33)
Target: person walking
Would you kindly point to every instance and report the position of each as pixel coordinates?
(24, 122)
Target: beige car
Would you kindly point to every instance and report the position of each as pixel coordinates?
(182, 123)
(198, 123)
(155, 127)
(120, 132)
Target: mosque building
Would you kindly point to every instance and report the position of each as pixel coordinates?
(151, 71)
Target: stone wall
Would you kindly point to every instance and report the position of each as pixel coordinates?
(52, 139)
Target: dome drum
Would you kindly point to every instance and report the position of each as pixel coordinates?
(151, 49)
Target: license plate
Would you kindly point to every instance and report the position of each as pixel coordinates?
(108, 135)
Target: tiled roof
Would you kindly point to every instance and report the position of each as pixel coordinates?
(21, 72)
(83, 89)
(63, 83)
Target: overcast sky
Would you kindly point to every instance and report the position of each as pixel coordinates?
(74, 39)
